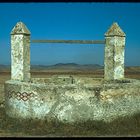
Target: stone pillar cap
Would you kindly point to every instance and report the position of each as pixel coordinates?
(20, 28)
(115, 30)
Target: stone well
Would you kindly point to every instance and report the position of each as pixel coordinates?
(70, 98)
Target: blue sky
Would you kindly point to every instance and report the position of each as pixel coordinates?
(70, 21)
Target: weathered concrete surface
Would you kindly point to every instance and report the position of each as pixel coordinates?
(72, 101)
(20, 53)
(114, 53)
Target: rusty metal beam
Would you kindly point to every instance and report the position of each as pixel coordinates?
(70, 41)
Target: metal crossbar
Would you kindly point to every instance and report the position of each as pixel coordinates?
(70, 41)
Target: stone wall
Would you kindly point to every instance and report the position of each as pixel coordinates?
(72, 102)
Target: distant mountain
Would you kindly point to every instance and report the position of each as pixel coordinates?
(65, 64)
(4, 68)
(67, 67)
(76, 65)
(57, 66)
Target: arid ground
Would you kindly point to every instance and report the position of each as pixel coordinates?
(126, 126)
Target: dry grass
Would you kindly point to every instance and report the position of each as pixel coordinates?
(126, 126)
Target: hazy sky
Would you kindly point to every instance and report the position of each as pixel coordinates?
(70, 21)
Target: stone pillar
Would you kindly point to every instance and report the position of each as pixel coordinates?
(20, 53)
(114, 53)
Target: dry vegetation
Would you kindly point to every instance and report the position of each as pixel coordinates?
(126, 126)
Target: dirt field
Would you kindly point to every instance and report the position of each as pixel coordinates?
(126, 126)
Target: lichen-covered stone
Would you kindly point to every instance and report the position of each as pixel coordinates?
(72, 102)
(20, 53)
(114, 53)
(20, 28)
(115, 30)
